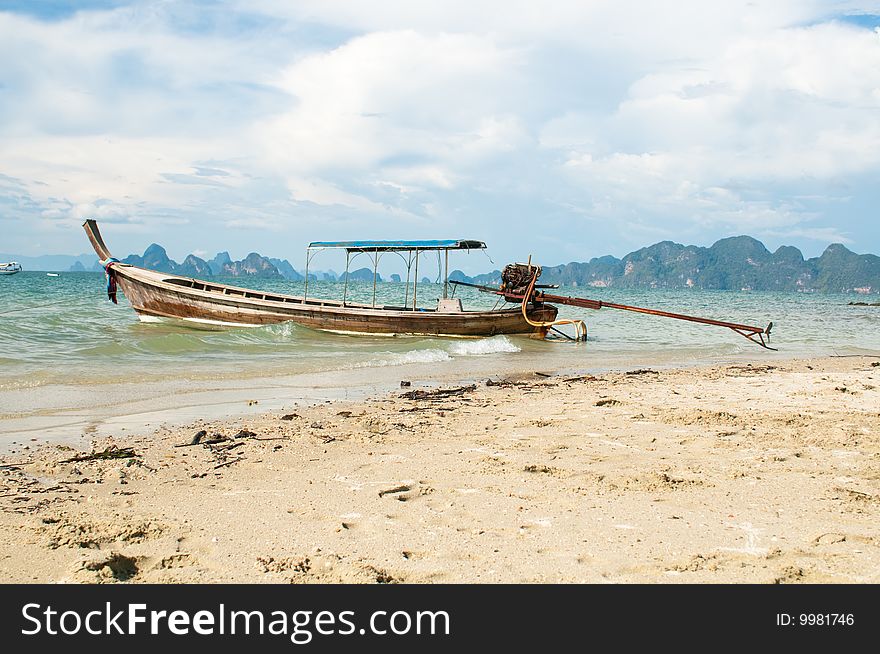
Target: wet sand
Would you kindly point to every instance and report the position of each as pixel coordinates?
(733, 473)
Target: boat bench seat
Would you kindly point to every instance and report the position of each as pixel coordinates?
(449, 305)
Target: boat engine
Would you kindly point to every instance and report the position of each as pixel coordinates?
(517, 277)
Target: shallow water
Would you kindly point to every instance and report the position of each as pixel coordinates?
(65, 349)
(62, 329)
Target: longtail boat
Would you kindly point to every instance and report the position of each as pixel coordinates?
(153, 294)
(161, 295)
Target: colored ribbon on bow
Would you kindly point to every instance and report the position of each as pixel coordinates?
(111, 278)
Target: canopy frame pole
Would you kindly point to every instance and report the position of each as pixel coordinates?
(446, 276)
(345, 287)
(416, 280)
(406, 288)
(306, 289)
(375, 273)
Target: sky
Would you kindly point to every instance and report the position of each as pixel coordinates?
(565, 130)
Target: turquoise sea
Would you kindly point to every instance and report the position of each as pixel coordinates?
(66, 350)
(63, 329)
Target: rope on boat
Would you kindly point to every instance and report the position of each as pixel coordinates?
(580, 327)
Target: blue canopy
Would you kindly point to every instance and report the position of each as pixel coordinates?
(396, 246)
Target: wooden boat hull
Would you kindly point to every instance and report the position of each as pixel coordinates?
(156, 294)
(166, 296)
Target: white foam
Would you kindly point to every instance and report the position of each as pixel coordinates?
(493, 345)
(282, 329)
(402, 358)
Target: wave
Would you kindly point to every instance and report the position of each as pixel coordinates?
(280, 331)
(493, 345)
(402, 358)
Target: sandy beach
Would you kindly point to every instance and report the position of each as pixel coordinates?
(732, 473)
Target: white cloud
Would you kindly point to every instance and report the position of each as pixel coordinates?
(791, 106)
(685, 119)
(394, 95)
(632, 29)
(820, 234)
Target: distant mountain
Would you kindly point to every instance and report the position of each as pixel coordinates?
(320, 275)
(252, 265)
(79, 267)
(736, 263)
(156, 258)
(838, 269)
(287, 270)
(216, 264)
(486, 279)
(362, 275)
(739, 262)
(193, 266)
(489, 278)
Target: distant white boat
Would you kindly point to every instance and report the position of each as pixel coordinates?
(10, 268)
(52, 275)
